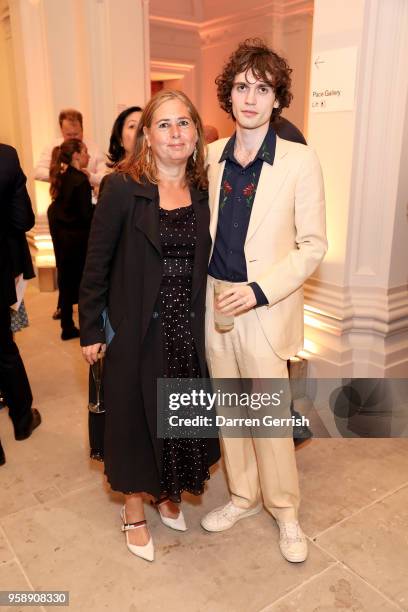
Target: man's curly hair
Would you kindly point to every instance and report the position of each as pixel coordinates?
(266, 65)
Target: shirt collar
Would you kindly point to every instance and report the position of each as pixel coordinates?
(266, 150)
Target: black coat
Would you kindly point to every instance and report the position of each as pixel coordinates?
(287, 130)
(16, 218)
(69, 219)
(123, 272)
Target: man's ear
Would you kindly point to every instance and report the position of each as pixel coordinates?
(276, 104)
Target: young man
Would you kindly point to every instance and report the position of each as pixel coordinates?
(268, 231)
(71, 126)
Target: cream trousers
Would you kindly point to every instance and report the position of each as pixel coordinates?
(257, 468)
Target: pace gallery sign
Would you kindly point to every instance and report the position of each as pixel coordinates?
(333, 80)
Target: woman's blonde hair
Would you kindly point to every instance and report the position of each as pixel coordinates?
(141, 165)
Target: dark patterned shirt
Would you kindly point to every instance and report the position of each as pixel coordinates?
(237, 194)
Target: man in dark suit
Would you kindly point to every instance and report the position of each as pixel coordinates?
(16, 218)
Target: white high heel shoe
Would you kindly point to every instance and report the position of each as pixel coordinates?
(145, 552)
(179, 523)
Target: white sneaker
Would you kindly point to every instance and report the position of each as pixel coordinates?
(225, 517)
(292, 542)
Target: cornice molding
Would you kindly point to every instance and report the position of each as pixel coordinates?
(182, 24)
(170, 66)
(274, 9)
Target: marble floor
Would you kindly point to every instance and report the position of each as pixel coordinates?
(60, 527)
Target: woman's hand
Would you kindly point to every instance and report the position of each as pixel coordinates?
(90, 353)
(236, 300)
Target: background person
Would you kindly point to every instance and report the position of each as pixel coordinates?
(71, 126)
(69, 216)
(16, 218)
(147, 264)
(122, 139)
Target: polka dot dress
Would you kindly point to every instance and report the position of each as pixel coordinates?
(185, 461)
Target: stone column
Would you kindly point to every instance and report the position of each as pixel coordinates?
(356, 306)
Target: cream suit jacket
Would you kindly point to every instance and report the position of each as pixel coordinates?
(286, 237)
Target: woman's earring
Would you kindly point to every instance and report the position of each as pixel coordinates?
(195, 154)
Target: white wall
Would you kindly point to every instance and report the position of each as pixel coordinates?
(332, 134)
(93, 56)
(9, 125)
(175, 48)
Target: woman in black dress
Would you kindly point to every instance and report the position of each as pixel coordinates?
(69, 218)
(147, 267)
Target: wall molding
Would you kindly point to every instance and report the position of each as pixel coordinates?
(358, 308)
(178, 70)
(274, 9)
(356, 331)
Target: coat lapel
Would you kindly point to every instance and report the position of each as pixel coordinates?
(147, 221)
(199, 200)
(269, 185)
(147, 213)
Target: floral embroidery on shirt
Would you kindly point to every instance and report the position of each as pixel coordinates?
(265, 153)
(226, 189)
(249, 192)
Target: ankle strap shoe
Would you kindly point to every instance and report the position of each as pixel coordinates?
(144, 552)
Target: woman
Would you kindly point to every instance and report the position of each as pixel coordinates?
(69, 218)
(147, 264)
(122, 139)
(123, 134)
(121, 145)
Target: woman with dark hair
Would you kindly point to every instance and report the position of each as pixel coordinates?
(146, 268)
(69, 217)
(122, 139)
(123, 134)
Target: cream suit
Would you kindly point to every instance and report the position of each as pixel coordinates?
(285, 242)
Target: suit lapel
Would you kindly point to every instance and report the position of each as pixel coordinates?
(215, 173)
(269, 185)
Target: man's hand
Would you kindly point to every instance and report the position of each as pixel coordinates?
(90, 353)
(236, 300)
